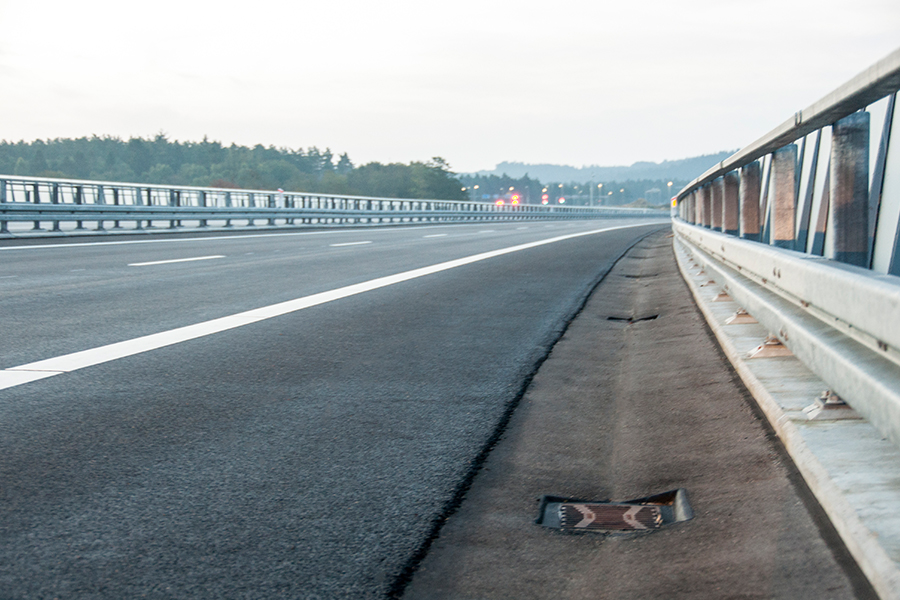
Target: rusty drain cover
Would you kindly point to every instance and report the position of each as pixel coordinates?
(641, 514)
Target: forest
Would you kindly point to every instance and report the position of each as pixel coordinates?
(206, 163)
(210, 164)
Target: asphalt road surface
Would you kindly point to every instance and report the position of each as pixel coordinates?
(305, 450)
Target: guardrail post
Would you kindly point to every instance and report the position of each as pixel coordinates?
(101, 199)
(784, 177)
(272, 204)
(116, 202)
(173, 201)
(79, 200)
(748, 194)
(54, 199)
(228, 205)
(730, 203)
(717, 212)
(34, 196)
(202, 202)
(4, 227)
(705, 206)
(149, 204)
(138, 201)
(848, 218)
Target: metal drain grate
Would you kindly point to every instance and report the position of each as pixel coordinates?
(641, 514)
(610, 517)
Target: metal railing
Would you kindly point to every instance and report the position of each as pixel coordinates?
(55, 202)
(802, 228)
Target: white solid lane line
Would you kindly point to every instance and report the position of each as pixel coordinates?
(435, 235)
(175, 260)
(349, 244)
(67, 363)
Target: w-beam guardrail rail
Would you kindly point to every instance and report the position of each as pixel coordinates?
(802, 228)
(43, 201)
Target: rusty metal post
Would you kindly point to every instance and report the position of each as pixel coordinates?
(698, 207)
(705, 206)
(730, 203)
(749, 200)
(848, 218)
(784, 177)
(715, 189)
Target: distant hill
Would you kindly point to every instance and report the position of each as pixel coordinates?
(684, 169)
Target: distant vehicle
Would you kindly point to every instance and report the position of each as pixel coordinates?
(510, 198)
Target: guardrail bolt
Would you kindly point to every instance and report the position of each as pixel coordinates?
(848, 217)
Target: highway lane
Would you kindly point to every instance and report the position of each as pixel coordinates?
(61, 297)
(302, 456)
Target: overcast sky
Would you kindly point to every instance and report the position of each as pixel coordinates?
(477, 82)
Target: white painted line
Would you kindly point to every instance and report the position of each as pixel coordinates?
(235, 236)
(75, 270)
(8, 276)
(521, 228)
(349, 244)
(67, 363)
(433, 235)
(175, 260)
(488, 231)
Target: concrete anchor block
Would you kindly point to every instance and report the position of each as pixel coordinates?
(771, 348)
(741, 317)
(829, 407)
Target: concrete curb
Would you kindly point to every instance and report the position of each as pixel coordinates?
(832, 474)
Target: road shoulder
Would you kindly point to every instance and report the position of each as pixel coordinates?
(622, 410)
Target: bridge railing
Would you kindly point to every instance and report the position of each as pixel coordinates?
(58, 201)
(802, 229)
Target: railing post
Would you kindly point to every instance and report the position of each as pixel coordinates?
(784, 177)
(79, 200)
(101, 199)
(748, 195)
(202, 202)
(54, 199)
(848, 218)
(228, 205)
(730, 203)
(705, 205)
(717, 211)
(36, 198)
(138, 201)
(116, 202)
(173, 202)
(4, 226)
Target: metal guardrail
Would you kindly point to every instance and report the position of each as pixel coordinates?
(57, 201)
(802, 228)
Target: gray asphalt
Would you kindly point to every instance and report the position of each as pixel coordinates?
(305, 456)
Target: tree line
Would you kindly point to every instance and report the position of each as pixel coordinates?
(206, 163)
(210, 164)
